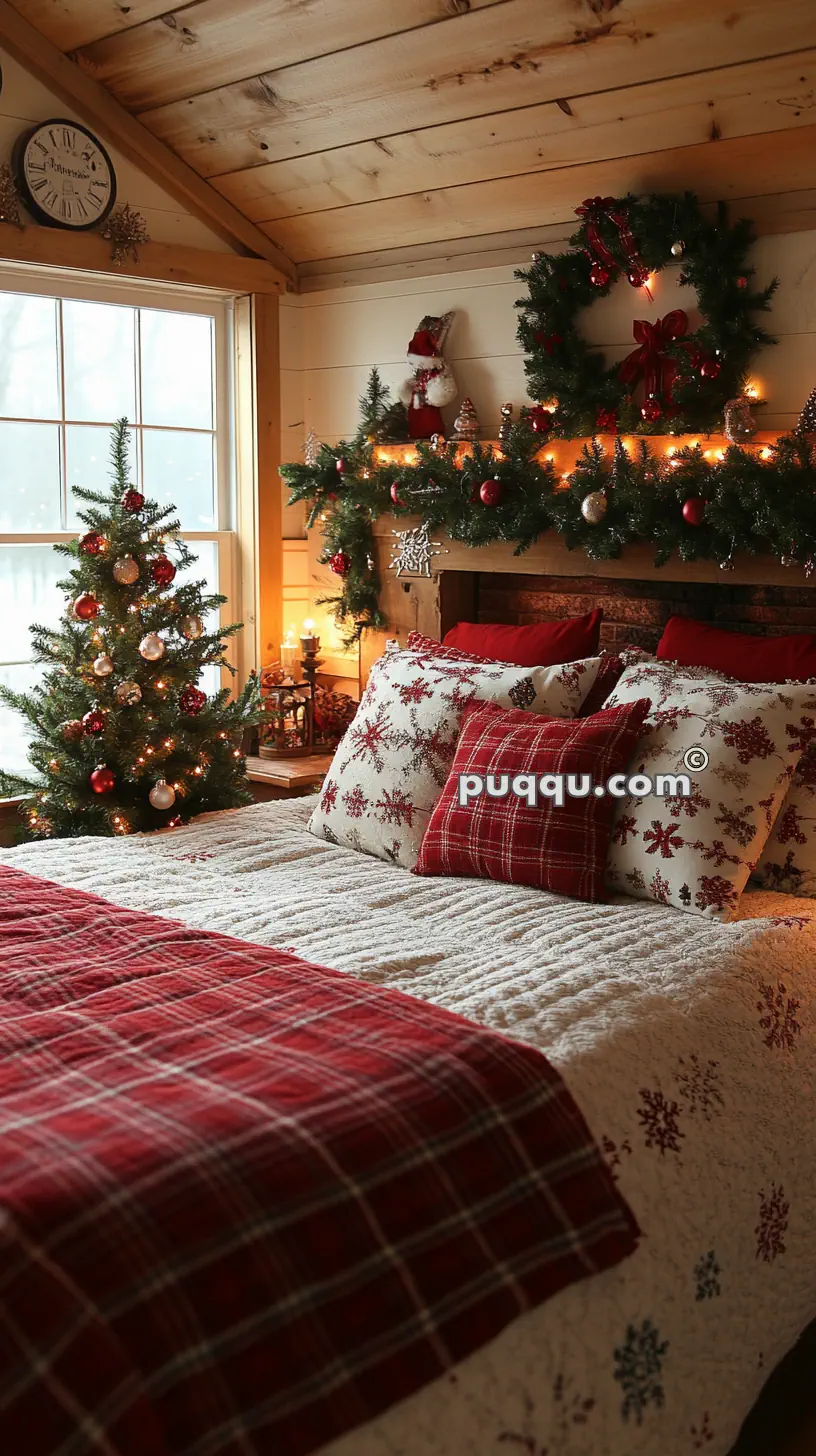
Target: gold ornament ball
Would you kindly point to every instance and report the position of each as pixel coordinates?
(103, 665)
(593, 507)
(162, 795)
(192, 628)
(127, 694)
(151, 647)
(126, 570)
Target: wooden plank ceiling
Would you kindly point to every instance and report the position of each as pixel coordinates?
(351, 131)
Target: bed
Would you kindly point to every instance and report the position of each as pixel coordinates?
(690, 1047)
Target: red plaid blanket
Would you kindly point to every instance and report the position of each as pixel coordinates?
(247, 1202)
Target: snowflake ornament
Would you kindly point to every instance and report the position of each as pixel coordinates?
(413, 550)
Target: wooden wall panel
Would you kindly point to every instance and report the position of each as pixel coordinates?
(516, 54)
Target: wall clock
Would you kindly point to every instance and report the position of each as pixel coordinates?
(64, 174)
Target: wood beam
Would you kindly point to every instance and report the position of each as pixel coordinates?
(165, 262)
(117, 127)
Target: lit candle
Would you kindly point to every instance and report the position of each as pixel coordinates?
(288, 653)
(308, 641)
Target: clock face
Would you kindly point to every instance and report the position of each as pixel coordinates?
(65, 175)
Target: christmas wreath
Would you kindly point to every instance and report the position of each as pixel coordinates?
(678, 378)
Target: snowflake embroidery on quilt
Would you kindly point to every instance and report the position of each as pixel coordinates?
(703, 1434)
(395, 808)
(356, 802)
(699, 1084)
(613, 1153)
(663, 839)
(639, 1369)
(778, 1019)
(570, 1408)
(706, 1274)
(658, 1118)
(192, 858)
(751, 739)
(773, 1222)
(522, 693)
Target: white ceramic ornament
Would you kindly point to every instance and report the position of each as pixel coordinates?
(103, 665)
(593, 507)
(151, 647)
(192, 628)
(126, 570)
(127, 694)
(162, 795)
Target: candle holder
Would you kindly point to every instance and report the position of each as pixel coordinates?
(309, 665)
(287, 726)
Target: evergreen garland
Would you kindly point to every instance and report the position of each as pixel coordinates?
(711, 362)
(754, 505)
(172, 731)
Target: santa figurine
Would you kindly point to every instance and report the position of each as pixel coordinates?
(432, 383)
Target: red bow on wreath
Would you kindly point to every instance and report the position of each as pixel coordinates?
(651, 362)
(592, 209)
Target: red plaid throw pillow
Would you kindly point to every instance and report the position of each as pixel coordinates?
(560, 847)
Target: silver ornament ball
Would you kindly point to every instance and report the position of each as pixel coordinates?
(126, 570)
(127, 694)
(162, 795)
(151, 647)
(726, 565)
(192, 628)
(593, 507)
(788, 560)
(103, 665)
(678, 249)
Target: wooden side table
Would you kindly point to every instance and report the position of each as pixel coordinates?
(287, 778)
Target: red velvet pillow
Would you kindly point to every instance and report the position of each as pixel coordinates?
(739, 654)
(542, 645)
(552, 847)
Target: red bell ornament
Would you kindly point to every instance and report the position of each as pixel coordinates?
(102, 780)
(92, 543)
(162, 570)
(694, 510)
(710, 368)
(192, 700)
(86, 607)
(96, 721)
(340, 563)
(490, 492)
(132, 501)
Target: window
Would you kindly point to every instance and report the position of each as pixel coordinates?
(73, 359)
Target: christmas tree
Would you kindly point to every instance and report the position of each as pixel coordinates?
(123, 738)
(807, 419)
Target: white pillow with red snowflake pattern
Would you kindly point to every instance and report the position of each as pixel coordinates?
(393, 762)
(697, 853)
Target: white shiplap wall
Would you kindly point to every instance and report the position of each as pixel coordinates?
(330, 340)
(24, 100)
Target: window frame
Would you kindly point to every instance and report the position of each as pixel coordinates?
(236, 554)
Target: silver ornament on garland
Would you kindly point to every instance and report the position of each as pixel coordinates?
(678, 249)
(311, 448)
(151, 647)
(126, 570)
(103, 665)
(192, 628)
(162, 795)
(788, 559)
(506, 412)
(739, 423)
(727, 565)
(593, 507)
(127, 694)
(466, 424)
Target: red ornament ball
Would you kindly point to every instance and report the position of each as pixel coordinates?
(742, 281)
(162, 570)
(132, 501)
(395, 495)
(95, 722)
(710, 368)
(102, 780)
(192, 700)
(92, 543)
(651, 410)
(86, 607)
(340, 563)
(599, 276)
(638, 275)
(541, 420)
(607, 419)
(694, 510)
(490, 492)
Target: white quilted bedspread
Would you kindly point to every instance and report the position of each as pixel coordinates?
(690, 1046)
